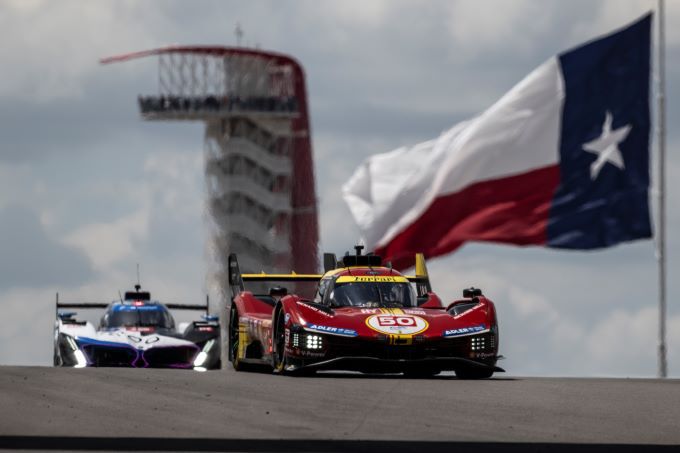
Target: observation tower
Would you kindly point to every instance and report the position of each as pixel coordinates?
(258, 155)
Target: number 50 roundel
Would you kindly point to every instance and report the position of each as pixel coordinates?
(397, 324)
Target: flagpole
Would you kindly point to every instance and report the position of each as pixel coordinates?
(661, 231)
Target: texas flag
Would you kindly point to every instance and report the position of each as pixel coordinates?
(561, 160)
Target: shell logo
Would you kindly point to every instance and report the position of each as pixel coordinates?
(397, 324)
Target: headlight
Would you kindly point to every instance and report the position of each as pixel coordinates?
(71, 342)
(478, 343)
(208, 346)
(80, 359)
(200, 359)
(313, 342)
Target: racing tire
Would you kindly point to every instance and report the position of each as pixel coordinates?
(278, 342)
(474, 373)
(234, 341)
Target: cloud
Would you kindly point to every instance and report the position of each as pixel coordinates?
(177, 204)
(52, 54)
(32, 258)
(108, 243)
(166, 208)
(478, 34)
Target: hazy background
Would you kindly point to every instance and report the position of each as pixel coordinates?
(88, 189)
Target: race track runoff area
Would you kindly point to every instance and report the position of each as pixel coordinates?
(43, 408)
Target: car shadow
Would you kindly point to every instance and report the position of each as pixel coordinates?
(445, 377)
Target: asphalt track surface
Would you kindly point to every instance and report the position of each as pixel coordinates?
(44, 408)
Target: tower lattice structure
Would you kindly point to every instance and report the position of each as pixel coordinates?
(258, 155)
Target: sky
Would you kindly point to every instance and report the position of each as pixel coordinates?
(88, 189)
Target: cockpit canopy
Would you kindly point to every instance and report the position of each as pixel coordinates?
(372, 295)
(137, 314)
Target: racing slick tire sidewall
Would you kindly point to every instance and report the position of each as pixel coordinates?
(278, 333)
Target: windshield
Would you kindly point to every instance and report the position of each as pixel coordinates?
(147, 316)
(357, 294)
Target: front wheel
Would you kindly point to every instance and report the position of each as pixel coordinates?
(279, 342)
(234, 340)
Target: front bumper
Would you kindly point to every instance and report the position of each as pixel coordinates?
(81, 353)
(375, 365)
(379, 354)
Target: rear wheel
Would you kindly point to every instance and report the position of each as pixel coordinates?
(474, 373)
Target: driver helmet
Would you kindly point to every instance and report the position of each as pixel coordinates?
(277, 292)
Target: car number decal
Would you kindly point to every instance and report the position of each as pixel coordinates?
(397, 324)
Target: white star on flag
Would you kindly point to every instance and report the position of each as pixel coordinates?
(606, 146)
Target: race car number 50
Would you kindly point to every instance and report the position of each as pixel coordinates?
(397, 324)
(396, 321)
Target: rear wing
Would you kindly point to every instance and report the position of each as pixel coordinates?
(422, 278)
(236, 278)
(94, 305)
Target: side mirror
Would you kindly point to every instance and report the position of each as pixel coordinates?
(329, 262)
(66, 315)
(471, 292)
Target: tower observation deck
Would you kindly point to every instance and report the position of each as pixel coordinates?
(258, 155)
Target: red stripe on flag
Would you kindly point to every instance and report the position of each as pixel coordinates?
(512, 210)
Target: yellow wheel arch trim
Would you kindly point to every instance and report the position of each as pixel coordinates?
(242, 340)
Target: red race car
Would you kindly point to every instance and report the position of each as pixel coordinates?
(363, 317)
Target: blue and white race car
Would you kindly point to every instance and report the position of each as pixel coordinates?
(136, 332)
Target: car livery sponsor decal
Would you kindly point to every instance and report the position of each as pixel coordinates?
(464, 331)
(397, 324)
(332, 330)
(314, 309)
(371, 279)
(311, 354)
(415, 312)
(286, 318)
(468, 311)
(137, 307)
